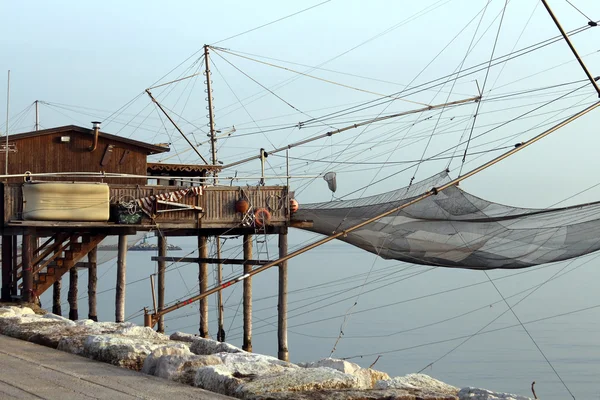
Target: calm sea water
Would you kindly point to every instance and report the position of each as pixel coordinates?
(412, 317)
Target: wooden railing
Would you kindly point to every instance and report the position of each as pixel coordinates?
(217, 203)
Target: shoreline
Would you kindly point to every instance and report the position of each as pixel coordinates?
(223, 368)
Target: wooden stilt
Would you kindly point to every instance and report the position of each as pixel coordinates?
(7, 266)
(15, 261)
(162, 266)
(27, 257)
(247, 343)
(221, 329)
(282, 352)
(121, 279)
(203, 282)
(92, 281)
(72, 295)
(56, 306)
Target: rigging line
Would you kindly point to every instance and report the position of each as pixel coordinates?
(460, 67)
(535, 288)
(322, 79)
(580, 12)
(241, 104)
(499, 60)
(267, 89)
(272, 22)
(477, 136)
(529, 334)
(487, 72)
(407, 20)
(390, 162)
(467, 336)
(166, 130)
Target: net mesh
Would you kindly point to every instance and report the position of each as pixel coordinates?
(457, 229)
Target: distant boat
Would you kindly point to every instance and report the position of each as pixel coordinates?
(143, 246)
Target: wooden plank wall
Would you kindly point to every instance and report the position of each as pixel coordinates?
(218, 203)
(46, 153)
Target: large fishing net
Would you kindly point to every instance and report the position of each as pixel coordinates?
(457, 229)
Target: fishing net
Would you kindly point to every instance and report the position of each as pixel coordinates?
(330, 178)
(457, 229)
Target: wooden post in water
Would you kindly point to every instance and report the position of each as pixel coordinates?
(121, 279)
(220, 327)
(92, 281)
(247, 344)
(282, 352)
(27, 258)
(7, 266)
(162, 266)
(56, 306)
(203, 282)
(15, 261)
(72, 295)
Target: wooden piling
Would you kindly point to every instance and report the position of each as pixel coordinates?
(247, 343)
(72, 295)
(162, 266)
(282, 352)
(92, 282)
(220, 328)
(121, 279)
(15, 261)
(7, 266)
(27, 258)
(203, 282)
(56, 306)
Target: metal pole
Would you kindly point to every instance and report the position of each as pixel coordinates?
(221, 326)
(432, 192)
(564, 34)
(7, 113)
(247, 343)
(37, 116)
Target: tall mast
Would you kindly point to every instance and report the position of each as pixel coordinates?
(211, 117)
(37, 116)
(7, 112)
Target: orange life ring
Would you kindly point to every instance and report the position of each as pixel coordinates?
(262, 217)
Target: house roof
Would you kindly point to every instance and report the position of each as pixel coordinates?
(182, 169)
(151, 148)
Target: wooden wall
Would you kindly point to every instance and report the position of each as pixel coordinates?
(46, 153)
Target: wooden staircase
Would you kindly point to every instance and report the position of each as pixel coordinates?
(57, 255)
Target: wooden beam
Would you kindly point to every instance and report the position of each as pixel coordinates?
(209, 260)
(247, 343)
(121, 279)
(162, 266)
(27, 257)
(282, 351)
(92, 283)
(7, 265)
(72, 295)
(56, 305)
(203, 282)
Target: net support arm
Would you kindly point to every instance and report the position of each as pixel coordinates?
(151, 319)
(371, 121)
(175, 125)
